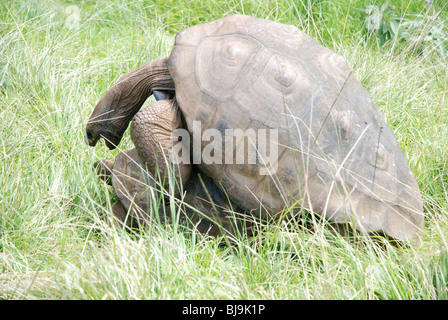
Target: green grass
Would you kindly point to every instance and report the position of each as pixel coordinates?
(54, 242)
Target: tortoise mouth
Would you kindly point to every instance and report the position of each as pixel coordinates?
(89, 138)
(112, 140)
(109, 144)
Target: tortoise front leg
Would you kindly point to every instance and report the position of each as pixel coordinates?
(151, 131)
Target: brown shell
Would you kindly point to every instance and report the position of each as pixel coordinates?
(336, 155)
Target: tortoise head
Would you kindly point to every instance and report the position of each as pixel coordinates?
(113, 113)
(108, 120)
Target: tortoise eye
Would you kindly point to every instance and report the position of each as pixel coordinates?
(89, 134)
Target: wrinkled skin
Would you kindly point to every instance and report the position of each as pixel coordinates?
(206, 208)
(337, 157)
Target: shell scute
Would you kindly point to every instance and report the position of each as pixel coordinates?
(230, 57)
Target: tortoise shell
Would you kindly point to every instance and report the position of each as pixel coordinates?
(333, 152)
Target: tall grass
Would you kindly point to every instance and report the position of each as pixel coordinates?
(57, 58)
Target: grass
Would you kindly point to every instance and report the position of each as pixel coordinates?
(57, 58)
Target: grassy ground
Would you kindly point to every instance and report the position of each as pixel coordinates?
(57, 58)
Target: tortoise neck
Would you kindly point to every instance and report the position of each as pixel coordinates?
(117, 107)
(132, 89)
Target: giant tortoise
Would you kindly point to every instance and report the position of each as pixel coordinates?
(328, 149)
